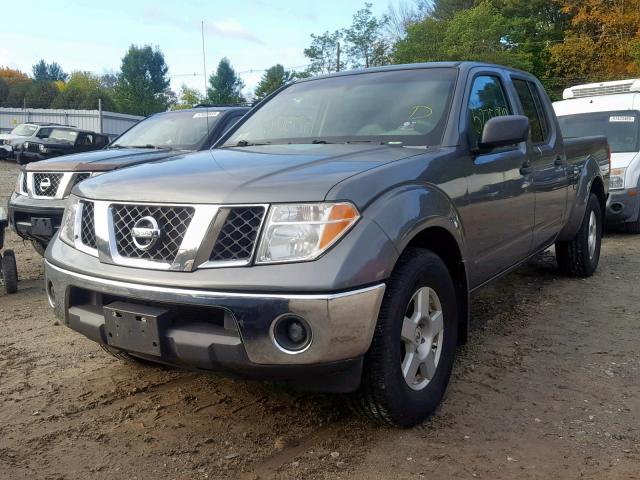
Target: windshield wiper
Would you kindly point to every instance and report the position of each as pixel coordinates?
(246, 143)
(117, 145)
(319, 141)
(148, 145)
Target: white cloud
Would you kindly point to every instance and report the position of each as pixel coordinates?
(230, 28)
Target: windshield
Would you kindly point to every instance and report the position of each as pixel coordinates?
(24, 130)
(622, 128)
(179, 130)
(68, 136)
(402, 107)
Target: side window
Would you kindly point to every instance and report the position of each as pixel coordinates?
(101, 140)
(85, 140)
(530, 109)
(44, 133)
(542, 114)
(487, 100)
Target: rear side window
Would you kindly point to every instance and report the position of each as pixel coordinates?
(532, 107)
(487, 100)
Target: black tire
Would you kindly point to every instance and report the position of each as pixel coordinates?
(384, 396)
(9, 272)
(38, 247)
(573, 256)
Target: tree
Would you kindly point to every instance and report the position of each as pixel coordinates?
(4, 90)
(480, 33)
(225, 86)
(188, 97)
(17, 94)
(323, 53)
(40, 94)
(273, 78)
(364, 38)
(143, 81)
(82, 92)
(400, 16)
(447, 9)
(48, 72)
(12, 76)
(600, 42)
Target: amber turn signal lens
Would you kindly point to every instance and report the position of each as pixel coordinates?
(341, 217)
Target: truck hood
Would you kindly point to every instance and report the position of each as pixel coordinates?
(261, 174)
(100, 160)
(9, 136)
(623, 159)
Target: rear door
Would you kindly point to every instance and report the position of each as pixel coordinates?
(500, 210)
(548, 162)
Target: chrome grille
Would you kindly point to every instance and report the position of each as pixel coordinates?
(80, 177)
(39, 184)
(238, 236)
(172, 221)
(24, 183)
(88, 225)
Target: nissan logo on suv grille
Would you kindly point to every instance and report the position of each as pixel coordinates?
(145, 233)
(45, 184)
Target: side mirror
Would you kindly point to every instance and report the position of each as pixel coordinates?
(504, 131)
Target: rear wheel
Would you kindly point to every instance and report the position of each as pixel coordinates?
(409, 364)
(9, 272)
(579, 257)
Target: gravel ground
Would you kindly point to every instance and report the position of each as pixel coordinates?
(547, 387)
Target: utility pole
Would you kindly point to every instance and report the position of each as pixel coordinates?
(100, 114)
(338, 58)
(204, 59)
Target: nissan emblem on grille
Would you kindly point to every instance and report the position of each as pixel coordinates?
(145, 233)
(45, 183)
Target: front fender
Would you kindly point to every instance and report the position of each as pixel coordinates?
(581, 180)
(404, 212)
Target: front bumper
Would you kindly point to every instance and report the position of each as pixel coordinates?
(623, 206)
(22, 209)
(229, 330)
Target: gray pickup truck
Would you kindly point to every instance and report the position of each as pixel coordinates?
(331, 240)
(40, 196)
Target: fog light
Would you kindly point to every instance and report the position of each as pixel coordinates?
(291, 333)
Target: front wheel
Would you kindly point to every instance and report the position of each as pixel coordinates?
(9, 271)
(579, 257)
(408, 366)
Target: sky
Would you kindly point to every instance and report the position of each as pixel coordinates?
(94, 35)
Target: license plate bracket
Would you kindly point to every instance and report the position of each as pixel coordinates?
(135, 328)
(41, 227)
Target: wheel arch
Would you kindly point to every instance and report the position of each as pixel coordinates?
(443, 243)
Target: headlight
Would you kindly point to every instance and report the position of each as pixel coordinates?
(297, 233)
(43, 149)
(21, 183)
(25, 145)
(616, 180)
(68, 226)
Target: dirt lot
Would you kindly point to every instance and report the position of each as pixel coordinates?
(546, 388)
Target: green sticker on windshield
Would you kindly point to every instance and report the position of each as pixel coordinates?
(621, 119)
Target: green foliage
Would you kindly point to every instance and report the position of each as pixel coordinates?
(82, 92)
(17, 93)
(323, 53)
(225, 86)
(4, 90)
(188, 97)
(142, 86)
(273, 78)
(365, 46)
(480, 33)
(40, 94)
(48, 72)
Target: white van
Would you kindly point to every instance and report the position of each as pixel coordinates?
(611, 109)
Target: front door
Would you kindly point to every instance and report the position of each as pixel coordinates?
(500, 210)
